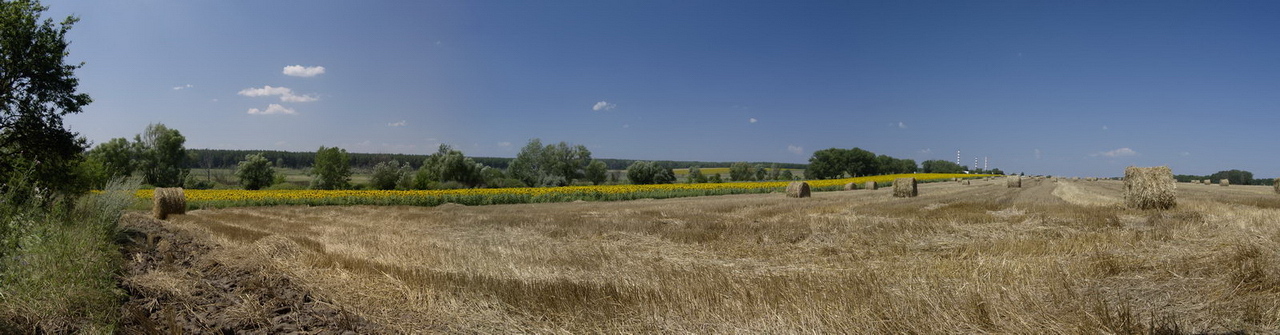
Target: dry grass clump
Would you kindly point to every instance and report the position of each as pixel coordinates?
(1013, 181)
(850, 186)
(168, 201)
(871, 185)
(1149, 188)
(905, 188)
(1224, 182)
(798, 189)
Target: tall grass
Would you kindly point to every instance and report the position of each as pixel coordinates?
(59, 258)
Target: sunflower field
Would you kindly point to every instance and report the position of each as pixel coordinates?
(491, 196)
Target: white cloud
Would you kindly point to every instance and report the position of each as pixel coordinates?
(926, 151)
(504, 144)
(175, 88)
(1122, 152)
(301, 71)
(402, 123)
(626, 126)
(298, 98)
(272, 109)
(603, 106)
(1037, 153)
(1184, 153)
(795, 149)
(752, 120)
(902, 125)
(285, 94)
(1104, 127)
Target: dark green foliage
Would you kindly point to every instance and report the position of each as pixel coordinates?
(642, 172)
(387, 175)
(695, 175)
(192, 182)
(741, 171)
(37, 89)
(836, 163)
(255, 172)
(552, 165)
(596, 172)
(941, 166)
(332, 170)
(448, 165)
(786, 175)
(162, 159)
(715, 178)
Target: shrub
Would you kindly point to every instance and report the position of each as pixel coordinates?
(255, 172)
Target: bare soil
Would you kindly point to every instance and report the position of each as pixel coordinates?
(177, 284)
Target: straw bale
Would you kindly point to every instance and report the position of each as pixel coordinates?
(1013, 181)
(905, 188)
(168, 201)
(1149, 188)
(798, 189)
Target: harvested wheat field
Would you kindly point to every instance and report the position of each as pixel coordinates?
(1049, 257)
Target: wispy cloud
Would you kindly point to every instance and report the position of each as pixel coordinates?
(926, 151)
(603, 106)
(504, 144)
(303, 71)
(902, 125)
(402, 123)
(795, 149)
(1104, 127)
(183, 87)
(272, 109)
(752, 120)
(285, 94)
(1037, 152)
(1122, 152)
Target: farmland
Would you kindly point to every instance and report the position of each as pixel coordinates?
(235, 198)
(1053, 256)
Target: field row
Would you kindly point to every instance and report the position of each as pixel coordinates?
(490, 196)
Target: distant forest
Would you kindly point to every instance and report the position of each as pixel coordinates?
(221, 159)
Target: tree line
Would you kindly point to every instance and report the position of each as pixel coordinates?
(1236, 177)
(841, 163)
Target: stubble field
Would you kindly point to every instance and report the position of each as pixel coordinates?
(1050, 257)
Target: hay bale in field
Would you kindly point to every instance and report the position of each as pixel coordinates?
(168, 201)
(1013, 181)
(1206, 182)
(1149, 188)
(850, 186)
(1276, 184)
(798, 189)
(1224, 182)
(966, 182)
(871, 185)
(905, 188)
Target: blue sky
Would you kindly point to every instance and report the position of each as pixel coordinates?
(1075, 88)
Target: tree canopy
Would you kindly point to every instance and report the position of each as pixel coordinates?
(37, 88)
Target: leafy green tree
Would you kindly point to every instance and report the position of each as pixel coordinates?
(741, 171)
(941, 166)
(695, 175)
(596, 172)
(117, 157)
(332, 169)
(387, 175)
(786, 175)
(760, 172)
(550, 165)
(37, 89)
(1236, 177)
(774, 174)
(715, 178)
(162, 157)
(641, 173)
(255, 172)
(449, 165)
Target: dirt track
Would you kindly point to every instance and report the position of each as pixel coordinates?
(177, 283)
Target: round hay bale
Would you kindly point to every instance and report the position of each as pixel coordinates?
(1206, 182)
(850, 186)
(1276, 184)
(1224, 182)
(905, 188)
(966, 182)
(1013, 181)
(168, 201)
(798, 189)
(871, 185)
(1149, 188)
